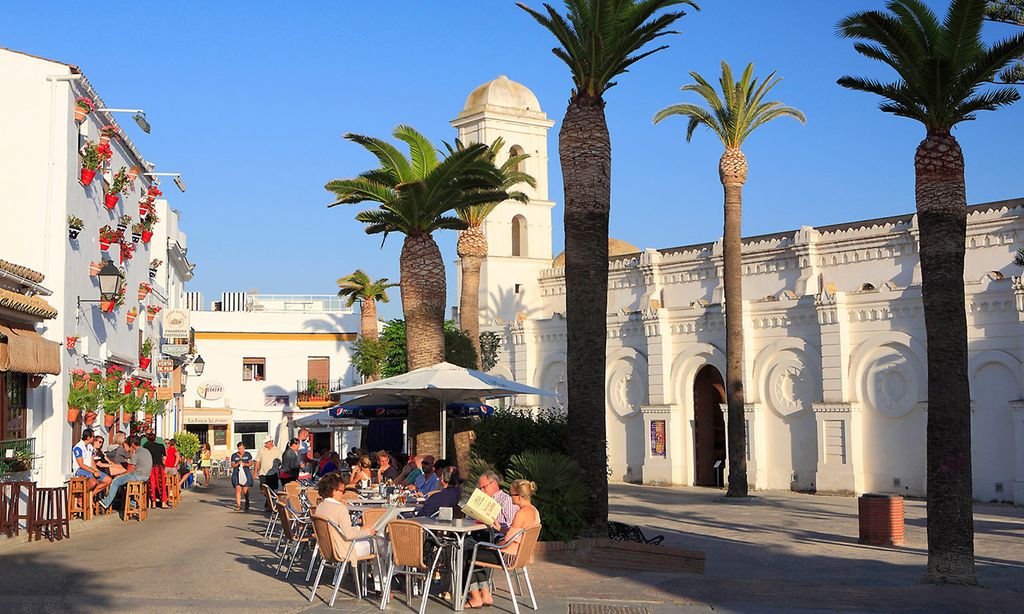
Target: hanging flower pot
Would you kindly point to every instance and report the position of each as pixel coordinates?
(90, 417)
(106, 306)
(108, 420)
(150, 316)
(87, 176)
(70, 342)
(147, 236)
(83, 107)
(73, 413)
(95, 268)
(110, 200)
(144, 207)
(91, 385)
(136, 236)
(144, 290)
(152, 273)
(104, 245)
(131, 315)
(144, 362)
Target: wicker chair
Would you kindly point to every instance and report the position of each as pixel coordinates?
(294, 530)
(322, 528)
(408, 557)
(272, 501)
(514, 563)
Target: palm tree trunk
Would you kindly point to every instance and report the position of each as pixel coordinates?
(584, 148)
(368, 327)
(423, 297)
(732, 169)
(942, 218)
(471, 248)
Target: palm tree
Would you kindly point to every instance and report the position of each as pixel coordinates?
(472, 245)
(359, 287)
(941, 68)
(416, 196)
(598, 40)
(732, 116)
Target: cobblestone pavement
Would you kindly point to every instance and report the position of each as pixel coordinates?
(781, 553)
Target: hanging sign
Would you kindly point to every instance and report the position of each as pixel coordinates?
(164, 366)
(174, 349)
(164, 393)
(176, 323)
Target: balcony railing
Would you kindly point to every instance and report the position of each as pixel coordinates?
(297, 302)
(314, 392)
(17, 455)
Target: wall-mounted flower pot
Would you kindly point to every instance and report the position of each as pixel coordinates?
(142, 293)
(143, 209)
(144, 362)
(104, 245)
(110, 200)
(95, 268)
(92, 385)
(106, 306)
(133, 173)
(80, 114)
(108, 420)
(71, 342)
(147, 236)
(34, 380)
(136, 236)
(90, 417)
(121, 227)
(131, 315)
(104, 139)
(152, 273)
(149, 316)
(73, 233)
(73, 413)
(87, 176)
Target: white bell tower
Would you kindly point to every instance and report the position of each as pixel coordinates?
(518, 235)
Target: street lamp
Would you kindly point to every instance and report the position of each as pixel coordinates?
(110, 281)
(199, 365)
(139, 117)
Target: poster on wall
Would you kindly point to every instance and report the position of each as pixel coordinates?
(658, 438)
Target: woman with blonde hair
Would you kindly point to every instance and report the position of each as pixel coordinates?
(361, 471)
(528, 516)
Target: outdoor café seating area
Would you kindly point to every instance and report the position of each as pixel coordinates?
(409, 557)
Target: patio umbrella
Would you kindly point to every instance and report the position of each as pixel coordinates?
(446, 383)
(382, 406)
(325, 419)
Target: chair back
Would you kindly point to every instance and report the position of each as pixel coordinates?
(527, 544)
(351, 494)
(271, 498)
(372, 515)
(292, 488)
(286, 522)
(406, 543)
(322, 532)
(313, 497)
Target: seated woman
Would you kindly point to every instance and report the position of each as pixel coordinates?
(480, 583)
(333, 464)
(361, 471)
(333, 507)
(448, 496)
(101, 461)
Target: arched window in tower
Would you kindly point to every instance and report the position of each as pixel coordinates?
(514, 151)
(519, 236)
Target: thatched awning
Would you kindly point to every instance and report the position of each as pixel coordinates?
(24, 350)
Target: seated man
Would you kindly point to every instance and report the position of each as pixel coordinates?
(448, 496)
(385, 470)
(86, 466)
(140, 465)
(490, 483)
(426, 483)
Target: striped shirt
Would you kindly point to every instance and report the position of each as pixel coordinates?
(508, 509)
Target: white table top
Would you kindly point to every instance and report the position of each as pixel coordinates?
(364, 502)
(468, 525)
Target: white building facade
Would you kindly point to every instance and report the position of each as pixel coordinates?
(269, 361)
(835, 355)
(39, 189)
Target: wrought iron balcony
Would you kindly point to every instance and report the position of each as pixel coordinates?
(314, 393)
(17, 455)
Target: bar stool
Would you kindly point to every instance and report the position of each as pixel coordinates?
(51, 518)
(97, 509)
(135, 492)
(10, 501)
(79, 498)
(173, 490)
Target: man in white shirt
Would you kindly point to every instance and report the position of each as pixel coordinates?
(82, 454)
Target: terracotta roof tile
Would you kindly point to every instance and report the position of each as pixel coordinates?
(22, 271)
(32, 305)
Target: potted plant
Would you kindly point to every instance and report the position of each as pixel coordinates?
(144, 356)
(79, 399)
(133, 172)
(154, 192)
(75, 226)
(154, 264)
(144, 290)
(147, 226)
(95, 268)
(93, 157)
(83, 107)
(19, 459)
(132, 314)
(151, 312)
(137, 230)
(70, 343)
(108, 236)
(94, 381)
(118, 184)
(106, 133)
(127, 250)
(123, 222)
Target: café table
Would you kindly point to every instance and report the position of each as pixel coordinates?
(458, 530)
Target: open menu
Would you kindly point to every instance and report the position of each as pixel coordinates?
(390, 514)
(482, 507)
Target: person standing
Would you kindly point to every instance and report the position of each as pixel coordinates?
(290, 463)
(241, 475)
(205, 462)
(268, 464)
(157, 485)
(305, 453)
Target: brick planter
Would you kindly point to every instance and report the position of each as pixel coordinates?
(881, 520)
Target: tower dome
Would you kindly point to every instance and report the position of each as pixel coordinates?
(502, 92)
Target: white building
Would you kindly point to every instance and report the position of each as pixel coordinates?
(835, 356)
(269, 362)
(39, 189)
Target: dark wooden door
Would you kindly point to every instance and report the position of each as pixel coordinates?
(709, 426)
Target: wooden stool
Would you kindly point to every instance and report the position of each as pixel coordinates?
(51, 519)
(135, 492)
(173, 490)
(97, 509)
(10, 501)
(79, 498)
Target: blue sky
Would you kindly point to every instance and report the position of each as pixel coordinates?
(250, 101)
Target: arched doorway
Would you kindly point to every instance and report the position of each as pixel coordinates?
(708, 425)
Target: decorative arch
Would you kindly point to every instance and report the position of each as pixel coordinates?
(626, 381)
(552, 375)
(685, 367)
(517, 150)
(519, 236)
(787, 376)
(982, 359)
(887, 373)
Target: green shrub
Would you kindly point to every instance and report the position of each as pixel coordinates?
(188, 444)
(512, 431)
(561, 491)
(368, 355)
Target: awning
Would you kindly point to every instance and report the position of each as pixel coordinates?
(25, 351)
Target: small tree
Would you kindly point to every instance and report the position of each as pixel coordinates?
(188, 443)
(489, 344)
(369, 355)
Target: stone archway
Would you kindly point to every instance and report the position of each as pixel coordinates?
(708, 425)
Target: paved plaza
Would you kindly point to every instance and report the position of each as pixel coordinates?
(782, 552)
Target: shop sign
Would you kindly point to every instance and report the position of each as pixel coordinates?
(211, 391)
(176, 323)
(205, 419)
(164, 393)
(164, 366)
(174, 349)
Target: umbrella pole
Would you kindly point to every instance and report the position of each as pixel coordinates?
(444, 430)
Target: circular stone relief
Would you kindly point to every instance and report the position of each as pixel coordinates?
(790, 388)
(891, 384)
(627, 386)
